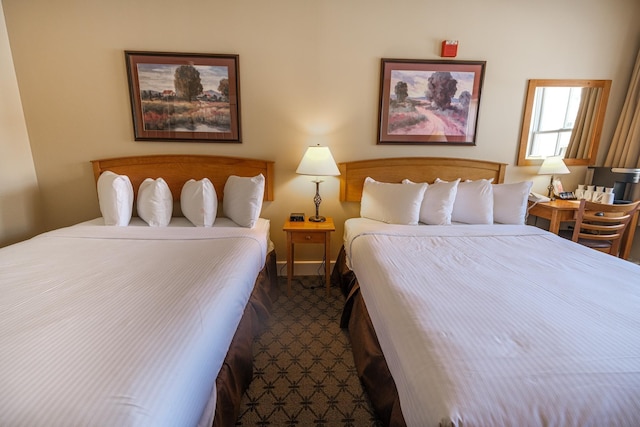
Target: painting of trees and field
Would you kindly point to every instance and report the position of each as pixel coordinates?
(435, 103)
(184, 98)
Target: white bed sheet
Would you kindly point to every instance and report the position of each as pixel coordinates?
(121, 326)
(501, 325)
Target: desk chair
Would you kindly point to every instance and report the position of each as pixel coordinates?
(601, 226)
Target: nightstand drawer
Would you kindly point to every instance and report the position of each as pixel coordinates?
(302, 237)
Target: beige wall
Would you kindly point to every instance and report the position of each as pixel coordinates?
(18, 185)
(309, 74)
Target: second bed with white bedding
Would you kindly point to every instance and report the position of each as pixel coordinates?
(500, 324)
(121, 325)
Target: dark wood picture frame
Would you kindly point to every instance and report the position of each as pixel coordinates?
(184, 96)
(429, 101)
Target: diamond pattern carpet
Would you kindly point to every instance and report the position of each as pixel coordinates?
(303, 367)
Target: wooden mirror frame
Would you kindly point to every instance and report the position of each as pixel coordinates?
(605, 85)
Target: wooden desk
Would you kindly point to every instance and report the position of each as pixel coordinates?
(309, 232)
(558, 211)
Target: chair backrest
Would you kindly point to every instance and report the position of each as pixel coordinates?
(601, 226)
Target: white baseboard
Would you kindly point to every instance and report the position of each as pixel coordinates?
(302, 268)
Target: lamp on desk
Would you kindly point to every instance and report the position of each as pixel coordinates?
(553, 166)
(317, 161)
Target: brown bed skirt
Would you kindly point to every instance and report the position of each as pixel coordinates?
(341, 276)
(371, 365)
(237, 370)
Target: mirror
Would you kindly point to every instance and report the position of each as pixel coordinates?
(563, 118)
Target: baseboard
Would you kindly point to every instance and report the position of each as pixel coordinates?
(303, 268)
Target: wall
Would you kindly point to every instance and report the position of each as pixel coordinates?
(309, 74)
(19, 195)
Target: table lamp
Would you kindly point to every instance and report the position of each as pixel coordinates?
(317, 161)
(553, 166)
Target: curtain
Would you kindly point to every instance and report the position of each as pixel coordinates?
(582, 133)
(624, 151)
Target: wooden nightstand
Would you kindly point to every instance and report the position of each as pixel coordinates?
(309, 232)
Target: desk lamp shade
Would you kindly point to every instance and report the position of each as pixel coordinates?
(317, 161)
(553, 166)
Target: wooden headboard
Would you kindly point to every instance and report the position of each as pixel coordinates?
(178, 169)
(417, 169)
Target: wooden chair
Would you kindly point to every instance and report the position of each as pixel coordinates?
(601, 226)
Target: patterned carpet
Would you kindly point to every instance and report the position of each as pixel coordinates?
(304, 373)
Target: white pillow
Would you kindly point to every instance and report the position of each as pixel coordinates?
(115, 196)
(155, 203)
(199, 202)
(437, 204)
(474, 202)
(391, 203)
(242, 199)
(510, 202)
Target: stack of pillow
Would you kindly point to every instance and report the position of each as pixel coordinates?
(242, 201)
(442, 202)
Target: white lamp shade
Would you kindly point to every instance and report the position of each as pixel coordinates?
(553, 166)
(318, 161)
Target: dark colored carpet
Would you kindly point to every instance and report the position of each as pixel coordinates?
(303, 369)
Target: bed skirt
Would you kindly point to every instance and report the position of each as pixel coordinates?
(341, 276)
(236, 372)
(371, 365)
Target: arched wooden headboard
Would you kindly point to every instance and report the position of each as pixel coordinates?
(417, 169)
(178, 169)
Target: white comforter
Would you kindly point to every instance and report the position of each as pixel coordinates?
(501, 325)
(121, 326)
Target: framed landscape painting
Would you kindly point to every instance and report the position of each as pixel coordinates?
(429, 102)
(184, 96)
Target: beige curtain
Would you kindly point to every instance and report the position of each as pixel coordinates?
(582, 133)
(624, 151)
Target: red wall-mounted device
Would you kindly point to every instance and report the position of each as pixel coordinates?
(449, 48)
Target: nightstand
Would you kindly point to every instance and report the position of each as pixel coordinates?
(309, 232)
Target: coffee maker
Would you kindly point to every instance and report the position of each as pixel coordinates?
(625, 181)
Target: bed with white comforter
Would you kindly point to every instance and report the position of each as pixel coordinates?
(122, 326)
(501, 325)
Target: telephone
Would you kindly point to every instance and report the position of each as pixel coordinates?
(567, 195)
(538, 198)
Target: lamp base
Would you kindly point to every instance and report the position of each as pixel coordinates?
(317, 218)
(551, 194)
